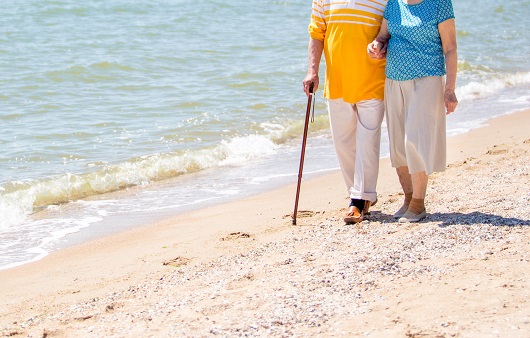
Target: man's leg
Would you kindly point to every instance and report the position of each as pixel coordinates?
(368, 138)
(370, 115)
(343, 121)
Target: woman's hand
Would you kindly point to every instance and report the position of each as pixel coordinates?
(376, 49)
(450, 101)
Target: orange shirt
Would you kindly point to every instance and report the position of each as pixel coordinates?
(347, 27)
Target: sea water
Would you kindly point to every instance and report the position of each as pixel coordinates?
(117, 113)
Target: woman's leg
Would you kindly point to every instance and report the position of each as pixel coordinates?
(419, 185)
(416, 210)
(425, 139)
(406, 184)
(395, 102)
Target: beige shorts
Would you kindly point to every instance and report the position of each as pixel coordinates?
(415, 117)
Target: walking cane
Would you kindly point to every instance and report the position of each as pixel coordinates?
(301, 168)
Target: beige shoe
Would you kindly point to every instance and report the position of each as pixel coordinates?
(401, 211)
(410, 217)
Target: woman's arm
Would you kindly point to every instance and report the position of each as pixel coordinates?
(377, 48)
(315, 49)
(448, 35)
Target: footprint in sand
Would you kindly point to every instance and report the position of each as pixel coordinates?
(497, 151)
(176, 262)
(302, 214)
(235, 235)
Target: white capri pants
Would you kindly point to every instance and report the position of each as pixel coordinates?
(356, 131)
(415, 116)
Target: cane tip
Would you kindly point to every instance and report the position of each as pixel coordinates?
(294, 221)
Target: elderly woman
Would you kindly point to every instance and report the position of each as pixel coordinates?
(418, 39)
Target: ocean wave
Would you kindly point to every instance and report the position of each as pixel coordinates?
(8, 117)
(488, 86)
(98, 71)
(19, 199)
(465, 66)
(282, 133)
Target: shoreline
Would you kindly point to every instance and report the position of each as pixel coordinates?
(108, 226)
(194, 240)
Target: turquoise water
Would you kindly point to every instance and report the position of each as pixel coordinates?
(115, 113)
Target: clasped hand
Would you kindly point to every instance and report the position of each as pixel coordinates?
(377, 49)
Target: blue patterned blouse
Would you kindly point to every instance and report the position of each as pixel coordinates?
(415, 48)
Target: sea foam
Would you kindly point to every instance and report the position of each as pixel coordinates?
(20, 199)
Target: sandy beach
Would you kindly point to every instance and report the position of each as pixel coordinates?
(242, 269)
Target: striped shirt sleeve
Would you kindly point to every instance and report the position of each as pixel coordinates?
(317, 26)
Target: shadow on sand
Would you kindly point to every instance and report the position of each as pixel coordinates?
(452, 218)
(475, 217)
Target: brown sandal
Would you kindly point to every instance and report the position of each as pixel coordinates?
(354, 215)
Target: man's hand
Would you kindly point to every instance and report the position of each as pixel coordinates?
(310, 78)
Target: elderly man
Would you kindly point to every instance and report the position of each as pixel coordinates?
(354, 88)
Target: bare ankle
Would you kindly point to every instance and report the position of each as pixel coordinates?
(417, 205)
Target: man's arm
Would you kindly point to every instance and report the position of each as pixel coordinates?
(315, 49)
